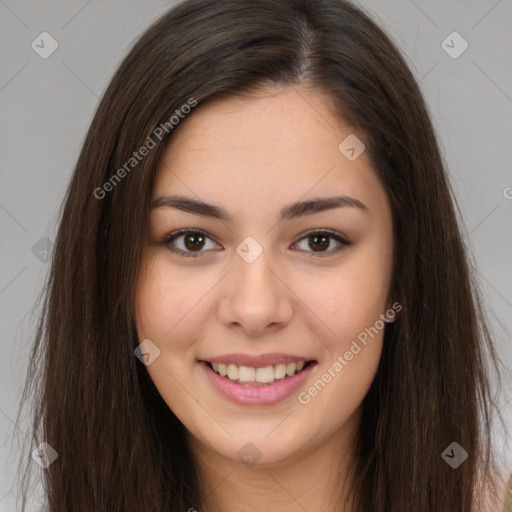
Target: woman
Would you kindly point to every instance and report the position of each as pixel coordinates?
(259, 296)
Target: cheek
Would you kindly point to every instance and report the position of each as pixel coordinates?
(345, 308)
(350, 306)
(166, 301)
(348, 299)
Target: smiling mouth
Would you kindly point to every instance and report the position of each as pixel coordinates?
(261, 376)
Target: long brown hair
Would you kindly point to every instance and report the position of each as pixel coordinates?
(119, 445)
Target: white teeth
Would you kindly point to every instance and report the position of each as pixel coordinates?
(279, 371)
(290, 369)
(233, 372)
(264, 375)
(245, 374)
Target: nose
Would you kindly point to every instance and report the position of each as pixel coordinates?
(256, 298)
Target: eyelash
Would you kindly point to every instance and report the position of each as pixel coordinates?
(183, 254)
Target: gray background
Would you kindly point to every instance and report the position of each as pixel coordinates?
(46, 106)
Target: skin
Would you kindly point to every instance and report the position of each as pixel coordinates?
(252, 156)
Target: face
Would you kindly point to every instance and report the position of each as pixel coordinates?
(266, 284)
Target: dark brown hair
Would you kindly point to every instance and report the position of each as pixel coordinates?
(120, 447)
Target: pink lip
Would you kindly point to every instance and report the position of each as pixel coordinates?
(257, 395)
(257, 361)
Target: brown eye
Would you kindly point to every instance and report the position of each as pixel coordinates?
(194, 241)
(188, 241)
(319, 241)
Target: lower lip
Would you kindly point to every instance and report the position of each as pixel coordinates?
(258, 395)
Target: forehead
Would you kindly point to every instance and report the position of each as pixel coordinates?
(277, 122)
(277, 145)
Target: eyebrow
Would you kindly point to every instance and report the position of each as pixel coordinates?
(288, 212)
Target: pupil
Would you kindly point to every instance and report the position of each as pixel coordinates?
(324, 242)
(194, 245)
(318, 241)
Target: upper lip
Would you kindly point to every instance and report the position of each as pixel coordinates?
(257, 361)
